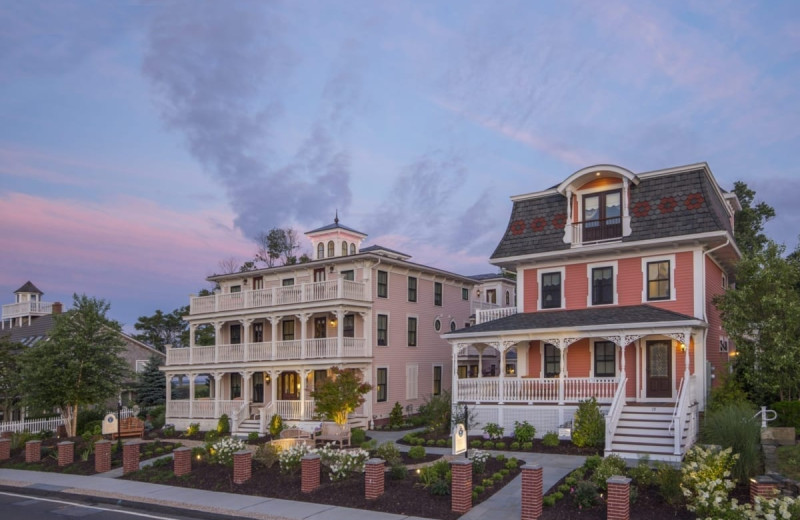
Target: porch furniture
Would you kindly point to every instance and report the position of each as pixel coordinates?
(285, 444)
(332, 432)
(130, 427)
(295, 433)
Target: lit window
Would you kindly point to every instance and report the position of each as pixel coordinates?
(658, 280)
(381, 379)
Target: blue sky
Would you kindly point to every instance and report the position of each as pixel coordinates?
(143, 142)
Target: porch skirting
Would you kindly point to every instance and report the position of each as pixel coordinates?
(545, 418)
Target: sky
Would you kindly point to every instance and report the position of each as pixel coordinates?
(143, 142)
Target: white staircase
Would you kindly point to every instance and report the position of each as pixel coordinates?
(645, 430)
(246, 427)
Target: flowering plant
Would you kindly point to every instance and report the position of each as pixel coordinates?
(479, 458)
(223, 449)
(289, 459)
(341, 463)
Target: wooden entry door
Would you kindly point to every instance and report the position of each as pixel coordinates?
(288, 386)
(659, 369)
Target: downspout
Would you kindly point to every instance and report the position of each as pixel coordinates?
(707, 384)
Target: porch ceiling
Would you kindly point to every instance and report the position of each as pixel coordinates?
(633, 316)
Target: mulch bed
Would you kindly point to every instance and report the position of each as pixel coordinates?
(404, 497)
(49, 461)
(563, 448)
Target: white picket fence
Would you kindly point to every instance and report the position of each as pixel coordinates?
(52, 424)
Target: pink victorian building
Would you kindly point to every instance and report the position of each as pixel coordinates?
(615, 278)
(280, 330)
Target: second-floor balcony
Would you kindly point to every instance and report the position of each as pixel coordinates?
(15, 310)
(597, 230)
(276, 296)
(482, 316)
(317, 348)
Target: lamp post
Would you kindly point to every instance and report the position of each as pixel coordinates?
(119, 420)
(466, 429)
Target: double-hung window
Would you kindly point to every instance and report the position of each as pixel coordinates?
(383, 284)
(349, 326)
(437, 294)
(288, 330)
(412, 289)
(552, 360)
(604, 359)
(383, 330)
(551, 290)
(602, 285)
(381, 380)
(412, 332)
(437, 380)
(658, 280)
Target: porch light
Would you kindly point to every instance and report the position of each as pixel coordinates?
(682, 346)
(267, 379)
(333, 322)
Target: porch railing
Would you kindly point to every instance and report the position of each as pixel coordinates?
(201, 408)
(597, 230)
(288, 295)
(484, 315)
(684, 417)
(267, 351)
(295, 410)
(14, 310)
(614, 413)
(529, 390)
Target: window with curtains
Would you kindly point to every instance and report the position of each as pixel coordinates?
(658, 280)
(383, 329)
(288, 330)
(604, 359)
(602, 285)
(552, 360)
(551, 290)
(381, 380)
(383, 284)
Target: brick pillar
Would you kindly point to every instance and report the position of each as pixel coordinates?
(66, 453)
(182, 461)
(6, 435)
(532, 489)
(33, 451)
(764, 487)
(130, 457)
(374, 479)
(5, 449)
(242, 466)
(619, 498)
(310, 469)
(102, 456)
(461, 499)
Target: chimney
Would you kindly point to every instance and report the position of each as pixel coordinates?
(56, 308)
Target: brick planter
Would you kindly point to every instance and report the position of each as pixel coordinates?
(102, 456)
(5, 449)
(374, 479)
(461, 499)
(182, 461)
(619, 498)
(130, 457)
(242, 466)
(33, 451)
(764, 487)
(532, 488)
(66, 453)
(310, 471)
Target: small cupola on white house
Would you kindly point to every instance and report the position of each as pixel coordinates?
(335, 240)
(27, 304)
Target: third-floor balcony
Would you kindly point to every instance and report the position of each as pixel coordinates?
(277, 296)
(15, 310)
(317, 348)
(597, 230)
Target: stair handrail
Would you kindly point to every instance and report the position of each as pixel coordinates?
(676, 424)
(265, 415)
(615, 411)
(238, 416)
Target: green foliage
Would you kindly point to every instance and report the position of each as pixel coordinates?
(589, 427)
(479, 489)
(223, 450)
(642, 474)
(337, 396)
(488, 445)
(435, 412)
(477, 443)
(705, 483)
(211, 436)
(479, 459)
(504, 472)
(193, 429)
(557, 495)
(158, 415)
(497, 476)
(87, 416)
(430, 442)
(398, 472)
(527, 445)
(499, 445)
(389, 453)
(591, 463)
(487, 482)
(733, 426)
(80, 364)
(524, 431)
(10, 376)
(93, 428)
(275, 426)
(441, 443)
(410, 438)
(224, 424)
(788, 414)
(252, 437)
(748, 227)
(357, 436)
(511, 464)
(436, 478)
(550, 439)
(458, 417)
(396, 416)
(610, 466)
(729, 391)
(668, 480)
(290, 459)
(266, 454)
(277, 247)
(416, 452)
(370, 445)
(586, 494)
(500, 458)
(493, 430)
(549, 501)
(514, 445)
(160, 329)
(789, 461)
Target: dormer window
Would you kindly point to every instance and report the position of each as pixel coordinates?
(320, 251)
(352, 249)
(344, 248)
(331, 249)
(602, 216)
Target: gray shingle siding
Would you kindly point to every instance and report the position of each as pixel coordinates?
(551, 238)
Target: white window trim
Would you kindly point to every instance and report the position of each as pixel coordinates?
(672, 268)
(141, 364)
(416, 289)
(613, 264)
(388, 278)
(562, 360)
(388, 328)
(387, 384)
(433, 373)
(539, 274)
(418, 322)
(411, 396)
(441, 324)
(591, 355)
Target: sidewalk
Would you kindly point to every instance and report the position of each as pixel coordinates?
(503, 505)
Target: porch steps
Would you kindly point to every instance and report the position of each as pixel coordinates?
(644, 430)
(247, 426)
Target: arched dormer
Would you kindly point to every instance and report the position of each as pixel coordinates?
(598, 204)
(335, 238)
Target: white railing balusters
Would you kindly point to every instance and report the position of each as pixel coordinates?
(527, 390)
(484, 315)
(617, 404)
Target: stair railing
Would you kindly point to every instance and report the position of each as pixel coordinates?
(265, 416)
(239, 416)
(615, 411)
(685, 394)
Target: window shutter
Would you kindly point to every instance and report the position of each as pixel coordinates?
(412, 376)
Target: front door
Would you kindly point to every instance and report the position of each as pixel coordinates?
(319, 275)
(289, 386)
(659, 369)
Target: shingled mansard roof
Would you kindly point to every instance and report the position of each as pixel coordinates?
(661, 206)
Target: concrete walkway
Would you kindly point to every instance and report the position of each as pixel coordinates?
(503, 505)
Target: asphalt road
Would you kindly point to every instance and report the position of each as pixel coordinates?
(17, 506)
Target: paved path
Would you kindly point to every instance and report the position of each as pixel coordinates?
(503, 505)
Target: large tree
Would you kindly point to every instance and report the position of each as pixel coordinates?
(9, 375)
(762, 316)
(80, 363)
(749, 222)
(163, 329)
(277, 247)
(151, 385)
(340, 394)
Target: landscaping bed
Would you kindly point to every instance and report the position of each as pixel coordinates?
(435, 439)
(405, 496)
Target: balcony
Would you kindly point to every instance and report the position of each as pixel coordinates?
(276, 296)
(318, 348)
(535, 390)
(483, 316)
(16, 310)
(598, 230)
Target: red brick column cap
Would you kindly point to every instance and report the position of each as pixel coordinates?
(532, 466)
(102, 442)
(182, 449)
(65, 443)
(310, 456)
(33, 442)
(461, 462)
(763, 479)
(372, 462)
(618, 479)
(133, 442)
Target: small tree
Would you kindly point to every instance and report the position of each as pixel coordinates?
(151, 387)
(79, 364)
(340, 394)
(9, 375)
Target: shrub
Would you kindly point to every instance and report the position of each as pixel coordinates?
(733, 426)
(610, 466)
(668, 481)
(398, 472)
(417, 452)
(527, 445)
(342, 463)
(431, 442)
(275, 426)
(169, 430)
(409, 438)
(252, 437)
(788, 414)
(357, 436)
(504, 472)
(497, 477)
(441, 443)
(266, 454)
(479, 489)
(514, 445)
(389, 452)
(475, 444)
(449, 442)
(591, 463)
(435, 412)
(487, 483)
(396, 416)
(642, 474)
(493, 430)
(511, 464)
(488, 445)
(440, 488)
(193, 429)
(224, 424)
(86, 416)
(585, 494)
(89, 429)
(419, 441)
(550, 439)
(564, 488)
(523, 431)
(728, 391)
(789, 461)
(370, 445)
(570, 480)
(436, 478)
(158, 415)
(499, 445)
(549, 501)
(589, 427)
(224, 449)
(704, 481)
(558, 495)
(500, 457)
(290, 458)
(211, 436)
(479, 459)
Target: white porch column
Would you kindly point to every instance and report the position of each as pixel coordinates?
(303, 375)
(340, 313)
(303, 317)
(274, 321)
(501, 388)
(366, 320)
(217, 339)
(246, 324)
(480, 361)
(192, 333)
(191, 395)
(568, 238)
(273, 386)
(687, 343)
(217, 391)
